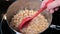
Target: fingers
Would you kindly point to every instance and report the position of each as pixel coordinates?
(52, 5)
(51, 11)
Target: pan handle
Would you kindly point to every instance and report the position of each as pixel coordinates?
(57, 27)
(4, 17)
(18, 33)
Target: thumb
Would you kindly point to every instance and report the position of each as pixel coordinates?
(43, 3)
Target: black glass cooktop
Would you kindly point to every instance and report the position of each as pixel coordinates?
(6, 30)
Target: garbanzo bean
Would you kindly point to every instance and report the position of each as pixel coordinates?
(37, 25)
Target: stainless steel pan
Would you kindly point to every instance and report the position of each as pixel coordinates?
(21, 4)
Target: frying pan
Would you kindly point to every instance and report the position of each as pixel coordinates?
(21, 5)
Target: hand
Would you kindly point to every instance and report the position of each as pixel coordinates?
(53, 6)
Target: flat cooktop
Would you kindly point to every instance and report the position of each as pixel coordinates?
(6, 30)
